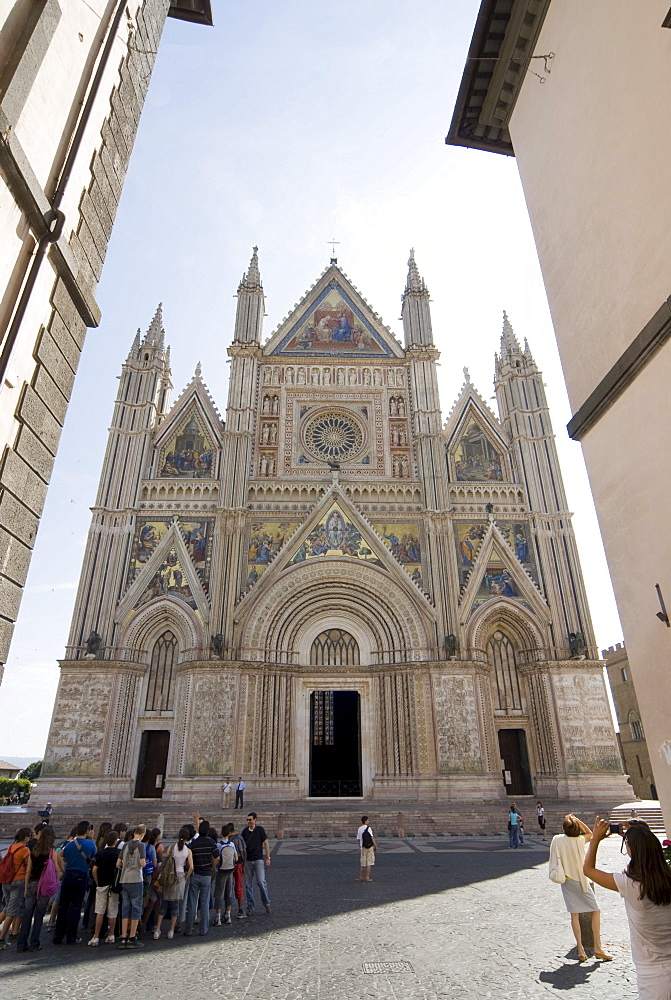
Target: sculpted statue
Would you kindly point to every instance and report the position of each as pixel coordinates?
(93, 644)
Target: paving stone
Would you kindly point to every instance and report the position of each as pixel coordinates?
(473, 918)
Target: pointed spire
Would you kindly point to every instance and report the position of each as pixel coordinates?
(509, 342)
(135, 346)
(155, 334)
(252, 279)
(527, 352)
(414, 283)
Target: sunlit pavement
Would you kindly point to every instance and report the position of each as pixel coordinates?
(472, 918)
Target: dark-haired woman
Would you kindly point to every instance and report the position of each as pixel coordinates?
(14, 890)
(89, 909)
(35, 904)
(567, 856)
(174, 894)
(645, 886)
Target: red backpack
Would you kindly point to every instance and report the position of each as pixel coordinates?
(7, 865)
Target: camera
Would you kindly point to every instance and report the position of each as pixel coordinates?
(616, 828)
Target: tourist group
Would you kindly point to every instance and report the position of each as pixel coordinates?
(127, 881)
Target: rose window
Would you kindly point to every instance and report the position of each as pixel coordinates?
(333, 437)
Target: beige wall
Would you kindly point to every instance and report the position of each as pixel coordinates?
(593, 150)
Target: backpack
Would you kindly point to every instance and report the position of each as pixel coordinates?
(149, 866)
(7, 866)
(48, 883)
(167, 876)
(227, 856)
(131, 858)
(367, 838)
(240, 846)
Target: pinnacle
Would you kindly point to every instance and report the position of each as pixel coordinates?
(198, 372)
(155, 334)
(509, 342)
(135, 346)
(252, 278)
(414, 283)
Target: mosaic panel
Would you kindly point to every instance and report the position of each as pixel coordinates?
(403, 539)
(265, 541)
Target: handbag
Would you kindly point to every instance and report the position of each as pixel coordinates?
(557, 874)
(48, 882)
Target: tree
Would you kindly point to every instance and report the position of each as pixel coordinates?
(32, 772)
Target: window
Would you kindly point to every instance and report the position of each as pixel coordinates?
(501, 655)
(160, 690)
(336, 648)
(636, 729)
(638, 761)
(623, 671)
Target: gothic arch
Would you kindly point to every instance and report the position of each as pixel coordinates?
(359, 629)
(145, 627)
(510, 618)
(375, 607)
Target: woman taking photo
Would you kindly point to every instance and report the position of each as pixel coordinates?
(645, 886)
(567, 856)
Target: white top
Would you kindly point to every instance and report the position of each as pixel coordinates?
(359, 833)
(227, 788)
(570, 853)
(649, 924)
(180, 858)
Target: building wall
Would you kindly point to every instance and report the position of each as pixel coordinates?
(632, 735)
(441, 550)
(52, 51)
(592, 150)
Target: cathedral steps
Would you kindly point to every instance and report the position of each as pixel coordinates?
(319, 819)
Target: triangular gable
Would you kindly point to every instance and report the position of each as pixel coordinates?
(498, 574)
(150, 530)
(337, 529)
(516, 532)
(189, 439)
(333, 320)
(169, 573)
(476, 443)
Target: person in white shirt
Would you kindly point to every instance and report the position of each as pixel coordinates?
(239, 792)
(645, 886)
(225, 794)
(567, 854)
(367, 847)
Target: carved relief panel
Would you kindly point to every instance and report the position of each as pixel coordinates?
(457, 725)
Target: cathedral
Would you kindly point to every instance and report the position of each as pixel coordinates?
(331, 592)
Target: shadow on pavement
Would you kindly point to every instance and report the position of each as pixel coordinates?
(569, 976)
(310, 887)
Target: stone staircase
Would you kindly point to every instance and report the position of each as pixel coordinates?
(648, 810)
(322, 818)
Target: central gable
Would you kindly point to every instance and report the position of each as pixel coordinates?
(332, 320)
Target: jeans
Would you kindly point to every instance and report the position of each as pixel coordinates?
(131, 900)
(256, 870)
(199, 900)
(73, 888)
(514, 835)
(34, 908)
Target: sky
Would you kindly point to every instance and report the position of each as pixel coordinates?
(286, 125)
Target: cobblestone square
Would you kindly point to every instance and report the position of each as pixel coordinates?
(473, 918)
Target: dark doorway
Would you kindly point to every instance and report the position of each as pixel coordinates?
(335, 744)
(513, 751)
(152, 764)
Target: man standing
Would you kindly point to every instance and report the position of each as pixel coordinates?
(258, 859)
(205, 853)
(75, 856)
(239, 792)
(226, 793)
(367, 847)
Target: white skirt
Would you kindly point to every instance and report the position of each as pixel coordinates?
(577, 899)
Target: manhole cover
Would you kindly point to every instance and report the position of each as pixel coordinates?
(374, 968)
